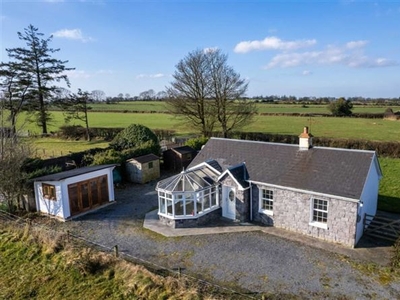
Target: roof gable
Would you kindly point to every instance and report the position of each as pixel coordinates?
(332, 171)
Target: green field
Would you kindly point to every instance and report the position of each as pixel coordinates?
(159, 106)
(347, 128)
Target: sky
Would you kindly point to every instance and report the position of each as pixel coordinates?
(302, 48)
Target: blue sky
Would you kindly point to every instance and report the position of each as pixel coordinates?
(301, 48)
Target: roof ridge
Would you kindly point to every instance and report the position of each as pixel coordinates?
(293, 145)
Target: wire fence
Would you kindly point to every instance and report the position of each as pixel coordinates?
(158, 269)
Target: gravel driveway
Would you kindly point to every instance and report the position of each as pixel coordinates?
(252, 261)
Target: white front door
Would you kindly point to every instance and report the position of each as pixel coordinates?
(229, 202)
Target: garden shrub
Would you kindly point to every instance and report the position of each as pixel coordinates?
(133, 136)
(72, 132)
(196, 143)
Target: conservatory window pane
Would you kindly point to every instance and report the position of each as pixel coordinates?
(190, 209)
(199, 202)
(179, 205)
(162, 205)
(213, 196)
(207, 199)
(169, 206)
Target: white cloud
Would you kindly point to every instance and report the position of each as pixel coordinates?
(77, 74)
(306, 73)
(272, 43)
(72, 34)
(356, 44)
(350, 55)
(105, 72)
(158, 75)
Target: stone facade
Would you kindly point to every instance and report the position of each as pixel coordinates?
(192, 222)
(242, 199)
(293, 211)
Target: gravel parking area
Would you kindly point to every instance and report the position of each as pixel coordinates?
(253, 261)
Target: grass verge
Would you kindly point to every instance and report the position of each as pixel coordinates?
(37, 265)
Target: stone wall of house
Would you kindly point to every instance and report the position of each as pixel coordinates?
(191, 223)
(293, 211)
(242, 199)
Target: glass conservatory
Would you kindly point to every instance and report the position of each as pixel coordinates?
(188, 195)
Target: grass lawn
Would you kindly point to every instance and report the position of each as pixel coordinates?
(54, 147)
(389, 191)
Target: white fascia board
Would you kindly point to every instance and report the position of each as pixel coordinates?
(241, 188)
(204, 164)
(305, 191)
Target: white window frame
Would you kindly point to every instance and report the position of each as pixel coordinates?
(262, 199)
(319, 224)
(195, 197)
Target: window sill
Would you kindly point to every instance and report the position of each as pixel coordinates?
(319, 225)
(266, 212)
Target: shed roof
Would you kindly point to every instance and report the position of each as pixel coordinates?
(183, 149)
(145, 158)
(333, 171)
(72, 173)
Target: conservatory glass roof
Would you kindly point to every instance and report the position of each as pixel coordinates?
(191, 180)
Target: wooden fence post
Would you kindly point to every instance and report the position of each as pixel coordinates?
(116, 251)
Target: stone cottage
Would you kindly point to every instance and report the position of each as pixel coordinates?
(317, 191)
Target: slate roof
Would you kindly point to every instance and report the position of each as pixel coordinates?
(240, 174)
(71, 173)
(145, 158)
(332, 171)
(183, 149)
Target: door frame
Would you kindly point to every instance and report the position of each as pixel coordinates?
(228, 206)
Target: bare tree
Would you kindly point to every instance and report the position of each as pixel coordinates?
(76, 106)
(207, 91)
(98, 95)
(37, 63)
(147, 95)
(13, 155)
(228, 89)
(189, 93)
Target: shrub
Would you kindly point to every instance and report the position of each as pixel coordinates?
(133, 136)
(72, 132)
(109, 156)
(112, 156)
(196, 143)
(340, 107)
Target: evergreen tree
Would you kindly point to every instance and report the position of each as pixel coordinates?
(37, 63)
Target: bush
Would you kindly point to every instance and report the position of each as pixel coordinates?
(112, 156)
(109, 156)
(196, 143)
(133, 136)
(72, 132)
(340, 107)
